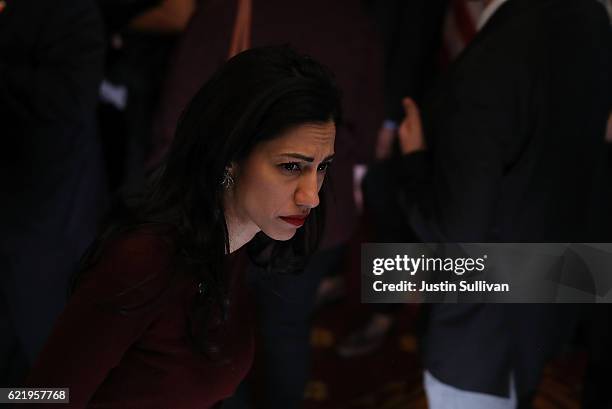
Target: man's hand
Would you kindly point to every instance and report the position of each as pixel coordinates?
(411, 130)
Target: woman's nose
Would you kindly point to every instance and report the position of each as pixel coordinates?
(307, 193)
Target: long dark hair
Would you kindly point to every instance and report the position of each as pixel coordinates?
(254, 97)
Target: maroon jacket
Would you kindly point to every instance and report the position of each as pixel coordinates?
(143, 358)
(335, 33)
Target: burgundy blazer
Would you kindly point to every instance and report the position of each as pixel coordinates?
(122, 342)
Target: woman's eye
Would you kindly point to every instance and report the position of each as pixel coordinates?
(290, 167)
(323, 167)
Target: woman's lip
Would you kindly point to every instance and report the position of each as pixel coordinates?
(294, 220)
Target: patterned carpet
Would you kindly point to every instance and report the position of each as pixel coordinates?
(390, 378)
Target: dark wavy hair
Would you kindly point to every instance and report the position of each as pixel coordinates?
(253, 97)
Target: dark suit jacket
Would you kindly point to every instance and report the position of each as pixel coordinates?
(515, 154)
(51, 62)
(337, 34)
(411, 33)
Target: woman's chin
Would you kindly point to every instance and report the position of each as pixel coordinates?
(278, 235)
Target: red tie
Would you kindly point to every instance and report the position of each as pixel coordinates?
(460, 27)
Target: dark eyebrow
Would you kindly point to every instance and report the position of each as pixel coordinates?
(308, 158)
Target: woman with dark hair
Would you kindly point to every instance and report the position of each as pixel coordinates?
(159, 318)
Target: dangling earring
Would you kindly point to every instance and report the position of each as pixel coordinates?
(228, 179)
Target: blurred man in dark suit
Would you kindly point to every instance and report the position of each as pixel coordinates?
(513, 151)
(411, 32)
(51, 182)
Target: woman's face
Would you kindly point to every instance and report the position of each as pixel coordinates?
(279, 182)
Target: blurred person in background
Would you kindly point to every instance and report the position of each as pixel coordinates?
(52, 179)
(341, 36)
(141, 35)
(510, 149)
(411, 33)
(597, 326)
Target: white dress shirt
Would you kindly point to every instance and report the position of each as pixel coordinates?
(488, 12)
